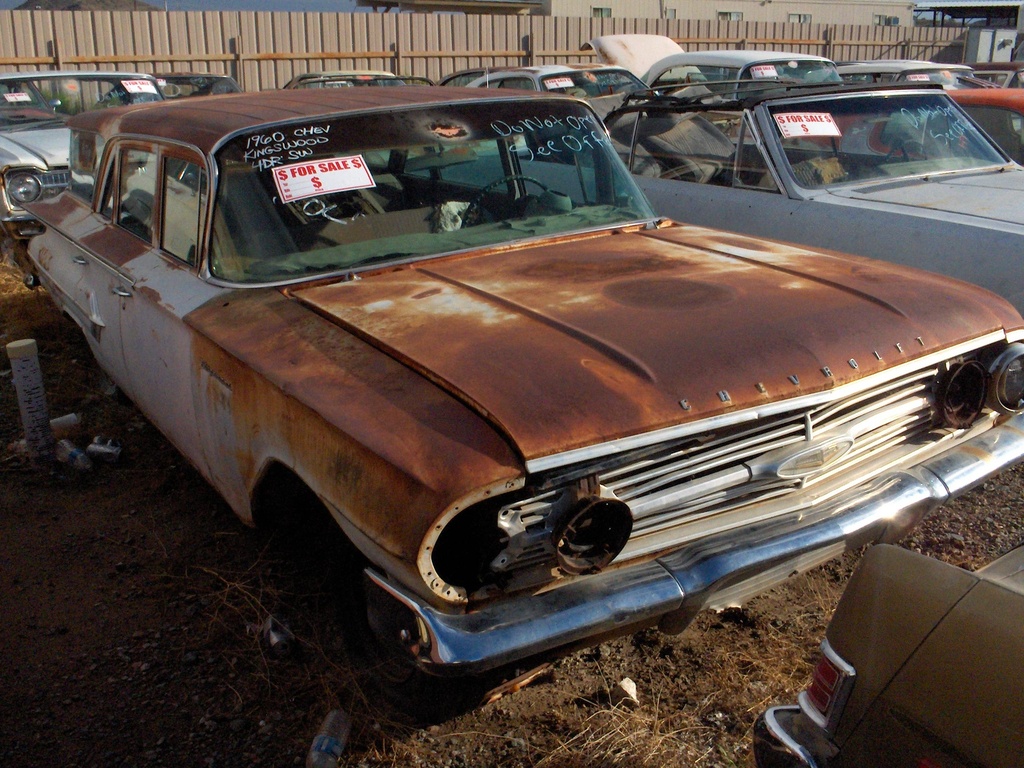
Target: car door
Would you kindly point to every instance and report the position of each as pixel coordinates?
(154, 206)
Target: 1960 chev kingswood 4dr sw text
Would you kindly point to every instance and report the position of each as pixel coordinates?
(538, 414)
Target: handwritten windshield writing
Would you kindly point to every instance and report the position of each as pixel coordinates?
(579, 133)
(269, 150)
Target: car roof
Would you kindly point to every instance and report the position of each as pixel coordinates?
(998, 66)
(205, 122)
(75, 73)
(732, 57)
(345, 73)
(1012, 98)
(897, 65)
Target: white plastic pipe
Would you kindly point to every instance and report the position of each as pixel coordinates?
(28, 382)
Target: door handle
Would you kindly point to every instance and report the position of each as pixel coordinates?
(80, 260)
(121, 291)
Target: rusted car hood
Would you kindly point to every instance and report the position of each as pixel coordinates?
(994, 195)
(574, 343)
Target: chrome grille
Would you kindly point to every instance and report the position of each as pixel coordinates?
(714, 482)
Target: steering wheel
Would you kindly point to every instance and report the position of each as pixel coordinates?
(906, 148)
(473, 212)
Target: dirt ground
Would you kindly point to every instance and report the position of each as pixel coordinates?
(131, 600)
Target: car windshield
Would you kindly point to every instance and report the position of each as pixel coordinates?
(73, 94)
(588, 84)
(942, 76)
(858, 138)
(340, 193)
(22, 104)
(348, 81)
(797, 70)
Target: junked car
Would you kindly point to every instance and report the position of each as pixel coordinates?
(1002, 74)
(349, 78)
(180, 85)
(920, 666)
(34, 141)
(895, 173)
(603, 86)
(1000, 112)
(448, 321)
(950, 76)
(718, 66)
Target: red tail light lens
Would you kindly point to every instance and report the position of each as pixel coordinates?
(831, 683)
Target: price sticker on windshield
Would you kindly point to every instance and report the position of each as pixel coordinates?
(759, 71)
(138, 86)
(558, 82)
(16, 96)
(322, 177)
(793, 124)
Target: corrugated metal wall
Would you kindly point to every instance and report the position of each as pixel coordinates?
(264, 50)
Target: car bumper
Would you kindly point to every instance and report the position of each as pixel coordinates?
(783, 738)
(711, 573)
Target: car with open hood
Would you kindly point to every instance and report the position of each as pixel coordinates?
(34, 140)
(920, 665)
(448, 321)
(653, 59)
(898, 173)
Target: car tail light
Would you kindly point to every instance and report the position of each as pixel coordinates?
(831, 683)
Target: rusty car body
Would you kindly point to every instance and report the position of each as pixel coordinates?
(539, 413)
(898, 173)
(34, 141)
(1000, 112)
(920, 666)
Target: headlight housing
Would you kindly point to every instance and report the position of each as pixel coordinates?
(24, 187)
(27, 185)
(1006, 392)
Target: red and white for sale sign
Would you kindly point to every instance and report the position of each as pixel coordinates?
(793, 124)
(322, 177)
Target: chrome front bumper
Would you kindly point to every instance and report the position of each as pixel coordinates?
(713, 572)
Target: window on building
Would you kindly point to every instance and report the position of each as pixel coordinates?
(601, 13)
(799, 18)
(730, 15)
(882, 20)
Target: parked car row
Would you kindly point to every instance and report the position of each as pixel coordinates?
(526, 363)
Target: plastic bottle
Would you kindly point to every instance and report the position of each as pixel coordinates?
(330, 741)
(74, 457)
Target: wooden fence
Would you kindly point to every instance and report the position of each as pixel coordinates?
(265, 50)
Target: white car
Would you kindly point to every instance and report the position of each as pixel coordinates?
(686, 67)
(907, 71)
(34, 140)
(899, 173)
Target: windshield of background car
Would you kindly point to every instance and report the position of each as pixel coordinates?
(336, 194)
(592, 83)
(21, 103)
(942, 76)
(71, 95)
(859, 138)
(797, 70)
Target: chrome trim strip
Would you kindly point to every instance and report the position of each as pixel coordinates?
(592, 452)
(781, 737)
(677, 586)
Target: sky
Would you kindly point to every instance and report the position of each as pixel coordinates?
(335, 6)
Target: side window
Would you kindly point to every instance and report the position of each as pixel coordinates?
(523, 83)
(184, 200)
(137, 192)
(751, 169)
(86, 149)
(1004, 126)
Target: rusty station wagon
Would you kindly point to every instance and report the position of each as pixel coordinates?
(539, 414)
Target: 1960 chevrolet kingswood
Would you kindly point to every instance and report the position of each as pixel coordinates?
(539, 414)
